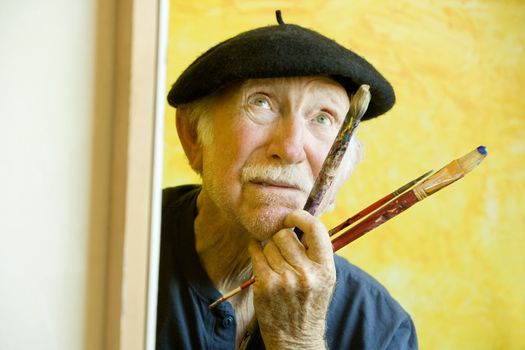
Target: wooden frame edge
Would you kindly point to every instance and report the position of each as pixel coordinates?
(132, 179)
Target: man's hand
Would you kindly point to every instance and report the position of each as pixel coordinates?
(294, 284)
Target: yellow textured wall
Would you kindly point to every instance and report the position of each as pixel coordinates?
(456, 261)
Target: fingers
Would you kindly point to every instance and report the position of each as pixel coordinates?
(259, 262)
(271, 258)
(315, 235)
(290, 249)
(277, 261)
(269, 270)
(284, 253)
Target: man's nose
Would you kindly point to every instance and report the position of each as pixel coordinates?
(287, 140)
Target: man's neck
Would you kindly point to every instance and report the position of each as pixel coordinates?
(222, 246)
(223, 252)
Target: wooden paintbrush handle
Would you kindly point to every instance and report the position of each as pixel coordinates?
(375, 219)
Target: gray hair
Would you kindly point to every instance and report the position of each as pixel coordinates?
(199, 116)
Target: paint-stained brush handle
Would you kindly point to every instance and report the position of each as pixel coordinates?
(358, 106)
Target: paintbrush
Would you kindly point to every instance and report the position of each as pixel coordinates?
(358, 106)
(452, 172)
(377, 204)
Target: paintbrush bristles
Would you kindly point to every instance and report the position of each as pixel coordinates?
(450, 173)
(472, 159)
(359, 102)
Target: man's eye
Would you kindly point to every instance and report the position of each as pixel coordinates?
(260, 101)
(322, 119)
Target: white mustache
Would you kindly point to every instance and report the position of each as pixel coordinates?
(290, 175)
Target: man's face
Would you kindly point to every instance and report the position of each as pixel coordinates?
(270, 138)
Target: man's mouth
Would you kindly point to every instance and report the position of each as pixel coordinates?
(285, 178)
(273, 183)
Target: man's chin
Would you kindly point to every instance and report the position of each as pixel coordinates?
(267, 222)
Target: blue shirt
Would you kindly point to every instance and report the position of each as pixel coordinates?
(362, 314)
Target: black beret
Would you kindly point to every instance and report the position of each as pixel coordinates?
(283, 50)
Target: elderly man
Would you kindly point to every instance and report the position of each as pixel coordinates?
(256, 116)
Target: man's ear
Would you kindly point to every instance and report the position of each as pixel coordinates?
(189, 139)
